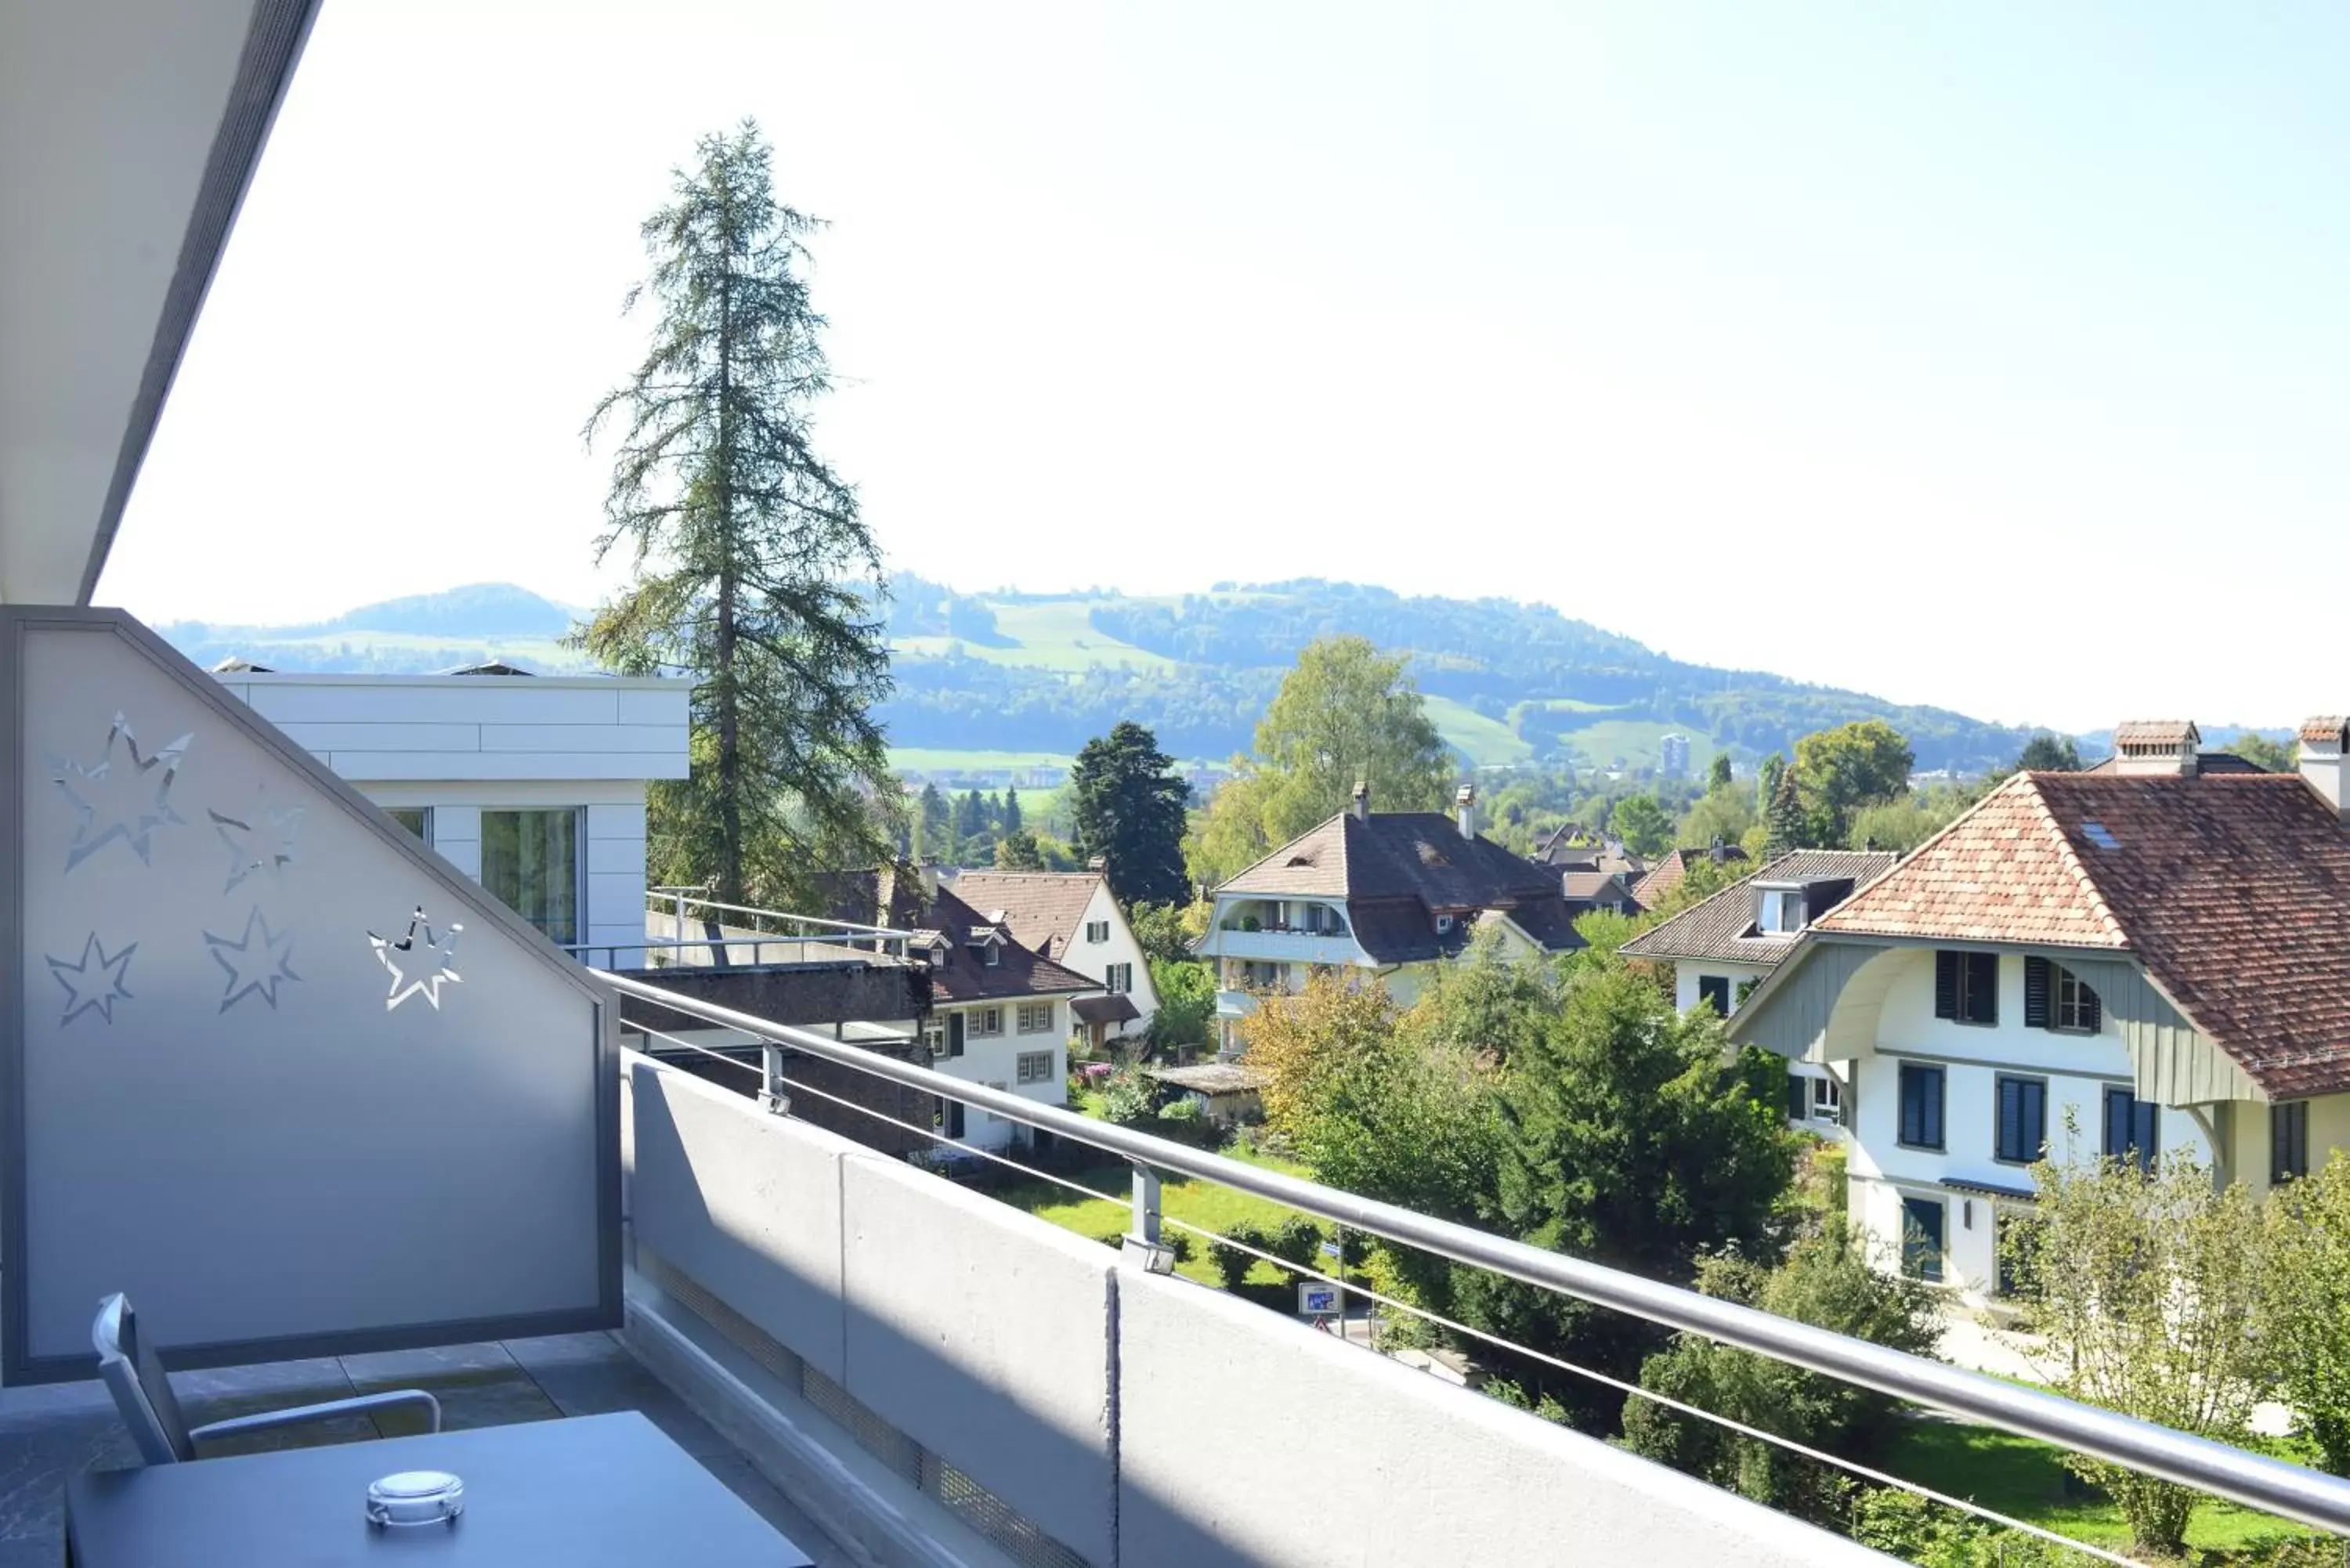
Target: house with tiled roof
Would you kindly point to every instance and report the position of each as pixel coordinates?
(1072, 918)
(1724, 946)
(1000, 1012)
(1666, 875)
(1391, 895)
(2157, 954)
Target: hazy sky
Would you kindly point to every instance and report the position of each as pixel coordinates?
(1993, 355)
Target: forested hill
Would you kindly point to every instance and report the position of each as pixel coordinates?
(1509, 682)
(1043, 673)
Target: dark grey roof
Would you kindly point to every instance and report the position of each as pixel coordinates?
(1722, 926)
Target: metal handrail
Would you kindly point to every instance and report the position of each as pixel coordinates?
(854, 928)
(2242, 1477)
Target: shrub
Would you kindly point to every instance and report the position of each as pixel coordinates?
(1298, 1241)
(1128, 1098)
(1232, 1264)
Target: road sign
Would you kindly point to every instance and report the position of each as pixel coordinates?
(1330, 1249)
(1316, 1300)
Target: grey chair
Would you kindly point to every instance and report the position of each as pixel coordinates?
(142, 1393)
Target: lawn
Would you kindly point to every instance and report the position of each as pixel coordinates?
(1202, 1203)
(942, 759)
(2026, 1480)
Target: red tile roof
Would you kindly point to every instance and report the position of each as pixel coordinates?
(2232, 891)
(1042, 907)
(1650, 890)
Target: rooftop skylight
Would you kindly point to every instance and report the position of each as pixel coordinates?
(2100, 836)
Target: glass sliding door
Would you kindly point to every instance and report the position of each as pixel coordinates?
(531, 859)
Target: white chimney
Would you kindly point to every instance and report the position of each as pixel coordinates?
(1465, 809)
(928, 871)
(2156, 748)
(2322, 756)
(1362, 801)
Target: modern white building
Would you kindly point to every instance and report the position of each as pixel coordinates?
(1072, 918)
(1392, 895)
(2159, 954)
(533, 785)
(1723, 948)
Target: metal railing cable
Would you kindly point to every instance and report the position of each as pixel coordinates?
(2252, 1480)
(1728, 1423)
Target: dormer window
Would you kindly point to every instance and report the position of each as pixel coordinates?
(1443, 924)
(1781, 913)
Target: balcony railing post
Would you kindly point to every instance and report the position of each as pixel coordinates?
(1142, 1244)
(771, 1080)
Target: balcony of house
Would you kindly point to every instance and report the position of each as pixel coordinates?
(1283, 930)
(1235, 1003)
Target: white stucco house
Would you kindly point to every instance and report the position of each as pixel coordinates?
(1000, 1012)
(1071, 918)
(533, 785)
(1723, 948)
(1394, 896)
(2159, 951)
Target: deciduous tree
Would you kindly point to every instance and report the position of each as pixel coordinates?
(1644, 826)
(753, 569)
(2305, 1316)
(2143, 1285)
(1852, 766)
(1348, 714)
(2050, 754)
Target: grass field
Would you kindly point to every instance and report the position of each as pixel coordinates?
(941, 760)
(1634, 740)
(1055, 636)
(1199, 1203)
(2027, 1481)
(1489, 742)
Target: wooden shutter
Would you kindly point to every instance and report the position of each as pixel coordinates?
(2036, 982)
(954, 1038)
(1982, 988)
(1946, 985)
(2092, 1010)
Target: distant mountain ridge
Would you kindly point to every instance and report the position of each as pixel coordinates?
(1005, 672)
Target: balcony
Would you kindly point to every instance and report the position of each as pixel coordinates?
(1235, 1003)
(1285, 946)
(399, 1165)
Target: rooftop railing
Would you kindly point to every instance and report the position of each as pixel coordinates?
(745, 935)
(2252, 1480)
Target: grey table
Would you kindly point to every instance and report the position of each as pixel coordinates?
(587, 1492)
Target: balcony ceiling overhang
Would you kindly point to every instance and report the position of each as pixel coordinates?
(129, 131)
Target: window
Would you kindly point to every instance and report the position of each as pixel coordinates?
(1827, 1100)
(952, 1117)
(1783, 909)
(2055, 998)
(2133, 1129)
(531, 860)
(956, 1026)
(2023, 1118)
(1036, 1017)
(1921, 1106)
(1121, 979)
(1714, 989)
(1097, 930)
(1443, 924)
(417, 819)
(987, 1021)
(1922, 1238)
(1036, 1067)
(1798, 1097)
(992, 955)
(2289, 1141)
(1966, 987)
(934, 1037)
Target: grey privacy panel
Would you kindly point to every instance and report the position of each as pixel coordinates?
(271, 1068)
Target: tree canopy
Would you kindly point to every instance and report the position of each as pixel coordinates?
(1129, 802)
(1841, 769)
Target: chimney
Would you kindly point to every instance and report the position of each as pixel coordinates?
(929, 872)
(1362, 801)
(1465, 810)
(2156, 748)
(2322, 761)
(1097, 863)
(1720, 851)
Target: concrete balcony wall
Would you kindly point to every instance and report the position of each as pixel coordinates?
(1137, 1421)
(1235, 1004)
(1286, 947)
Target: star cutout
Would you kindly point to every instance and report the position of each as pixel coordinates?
(126, 797)
(418, 964)
(255, 962)
(259, 838)
(93, 984)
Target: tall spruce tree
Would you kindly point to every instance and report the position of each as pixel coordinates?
(753, 569)
(1011, 822)
(1129, 802)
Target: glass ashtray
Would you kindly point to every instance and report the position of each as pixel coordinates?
(415, 1497)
